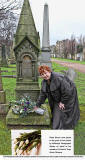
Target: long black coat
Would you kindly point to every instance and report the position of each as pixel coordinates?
(61, 89)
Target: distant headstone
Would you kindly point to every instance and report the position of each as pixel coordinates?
(71, 74)
(3, 57)
(11, 59)
(3, 105)
(1, 87)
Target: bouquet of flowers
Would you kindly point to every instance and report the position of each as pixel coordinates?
(26, 142)
(25, 106)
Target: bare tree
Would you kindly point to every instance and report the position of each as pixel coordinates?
(72, 46)
(66, 47)
(8, 19)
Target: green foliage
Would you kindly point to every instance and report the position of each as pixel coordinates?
(23, 106)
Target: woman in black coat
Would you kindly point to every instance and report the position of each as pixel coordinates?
(62, 96)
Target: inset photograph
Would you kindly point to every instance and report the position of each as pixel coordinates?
(26, 142)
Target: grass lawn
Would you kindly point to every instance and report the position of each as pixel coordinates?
(69, 60)
(9, 85)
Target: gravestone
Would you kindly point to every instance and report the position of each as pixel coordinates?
(26, 53)
(11, 59)
(3, 57)
(3, 105)
(71, 74)
(44, 58)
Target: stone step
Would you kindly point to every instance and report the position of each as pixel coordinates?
(32, 119)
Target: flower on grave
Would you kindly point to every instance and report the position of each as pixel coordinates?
(23, 106)
(28, 102)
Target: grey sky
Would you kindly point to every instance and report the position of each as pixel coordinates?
(66, 17)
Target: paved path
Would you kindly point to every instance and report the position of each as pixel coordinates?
(77, 66)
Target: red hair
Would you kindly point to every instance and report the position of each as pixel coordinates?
(44, 68)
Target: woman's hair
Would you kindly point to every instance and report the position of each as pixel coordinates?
(43, 68)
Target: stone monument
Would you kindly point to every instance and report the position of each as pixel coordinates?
(3, 57)
(3, 105)
(45, 51)
(26, 53)
(71, 74)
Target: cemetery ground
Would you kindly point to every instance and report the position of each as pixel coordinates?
(9, 84)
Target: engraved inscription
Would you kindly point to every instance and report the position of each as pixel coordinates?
(27, 67)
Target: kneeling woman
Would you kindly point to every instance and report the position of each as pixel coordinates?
(62, 96)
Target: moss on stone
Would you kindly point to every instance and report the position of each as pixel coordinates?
(32, 119)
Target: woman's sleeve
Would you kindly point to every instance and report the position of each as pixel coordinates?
(66, 90)
(41, 99)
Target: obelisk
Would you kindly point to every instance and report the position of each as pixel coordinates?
(45, 51)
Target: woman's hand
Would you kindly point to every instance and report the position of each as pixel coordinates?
(61, 106)
(35, 108)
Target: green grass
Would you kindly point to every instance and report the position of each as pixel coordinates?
(8, 71)
(69, 60)
(9, 84)
(5, 138)
(79, 140)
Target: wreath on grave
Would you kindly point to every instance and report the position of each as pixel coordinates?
(26, 142)
(25, 106)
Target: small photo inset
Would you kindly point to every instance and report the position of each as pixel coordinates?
(26, 142)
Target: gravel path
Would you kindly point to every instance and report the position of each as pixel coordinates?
(77, 66)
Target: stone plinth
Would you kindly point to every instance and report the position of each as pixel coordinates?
(2, 97)
(4, 108)
(33, 120)
(24, 89)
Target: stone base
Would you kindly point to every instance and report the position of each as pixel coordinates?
(47, 63)
(2, 97)
(44, 59)
(4, 108)
(33, 120)
(24, 89)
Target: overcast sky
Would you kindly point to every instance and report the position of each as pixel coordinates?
(66, 17)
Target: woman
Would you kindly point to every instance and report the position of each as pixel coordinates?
(62, 96)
